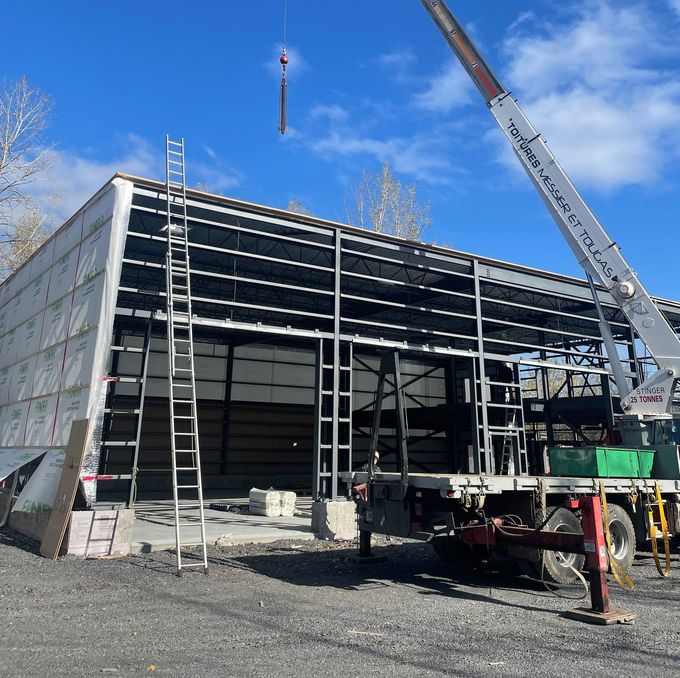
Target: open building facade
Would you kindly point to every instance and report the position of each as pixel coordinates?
(291, 317)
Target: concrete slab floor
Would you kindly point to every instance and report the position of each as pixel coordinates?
(154, 528)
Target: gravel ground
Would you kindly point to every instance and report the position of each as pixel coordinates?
(306, 609)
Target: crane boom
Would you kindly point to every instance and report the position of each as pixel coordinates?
(597, 253)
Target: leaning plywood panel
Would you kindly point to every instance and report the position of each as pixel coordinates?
(68, 486)
(56, 320)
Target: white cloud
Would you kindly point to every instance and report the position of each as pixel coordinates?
(218, 177)
(398, 58)
(674, 5)
(591, 86)
(417, 157)
(332, 112)
(76, 176)
(450, 88)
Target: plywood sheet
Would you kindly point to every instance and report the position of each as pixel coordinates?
(66, 492)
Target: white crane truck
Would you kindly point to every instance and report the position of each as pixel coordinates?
(437, 507)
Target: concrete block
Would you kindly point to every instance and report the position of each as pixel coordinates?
(99, 533)
(336, 520)
(32, 525)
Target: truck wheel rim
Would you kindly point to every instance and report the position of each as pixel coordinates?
(619, 539)
(565, 560)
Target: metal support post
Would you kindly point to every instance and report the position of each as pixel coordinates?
(486, 447)
(364, 544)
(595, 549)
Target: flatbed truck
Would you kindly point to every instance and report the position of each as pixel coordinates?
(442, 508)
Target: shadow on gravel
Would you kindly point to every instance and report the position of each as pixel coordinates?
(407, 565)
(9, 537)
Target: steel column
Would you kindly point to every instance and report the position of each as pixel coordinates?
(486, 448)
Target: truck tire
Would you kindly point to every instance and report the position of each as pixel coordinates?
(622, 535)
(465, 558)
(556, 567)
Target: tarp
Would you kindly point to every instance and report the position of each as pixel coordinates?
(39, 492)
(13, 460)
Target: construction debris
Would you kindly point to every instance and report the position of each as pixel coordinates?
(271, 503)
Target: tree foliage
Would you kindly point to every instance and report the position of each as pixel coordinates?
(294, 205)
(24, 156)
(380, 202)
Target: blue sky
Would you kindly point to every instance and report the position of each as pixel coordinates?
(368, 82)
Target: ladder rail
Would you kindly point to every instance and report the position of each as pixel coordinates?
(140, 416)
(181, 380)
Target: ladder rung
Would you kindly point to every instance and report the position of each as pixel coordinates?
(127, 349)
(119, 443)
(181, 400)
(192, 564)
(185, 451)
(193, 505)
(188, 487)
(185, 433)
(181, 416)
(110, 410)
(179, 469)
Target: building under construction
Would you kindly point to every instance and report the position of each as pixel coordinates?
(290, 316)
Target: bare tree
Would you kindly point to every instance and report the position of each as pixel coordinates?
(294, 205)
(381, 203)
(24, 156)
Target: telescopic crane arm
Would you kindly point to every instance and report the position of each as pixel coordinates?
(597, 253)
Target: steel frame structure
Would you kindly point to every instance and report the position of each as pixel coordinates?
(260, 274)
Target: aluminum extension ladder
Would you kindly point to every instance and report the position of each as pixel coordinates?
(514, 459)
(124, 413)
(187, 484)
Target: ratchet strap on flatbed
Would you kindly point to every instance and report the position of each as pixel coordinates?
(665, 572)
(620, 575)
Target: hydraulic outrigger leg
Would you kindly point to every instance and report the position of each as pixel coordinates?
(591, 543)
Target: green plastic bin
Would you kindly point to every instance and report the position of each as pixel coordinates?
(646, 461)
(596, 462)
